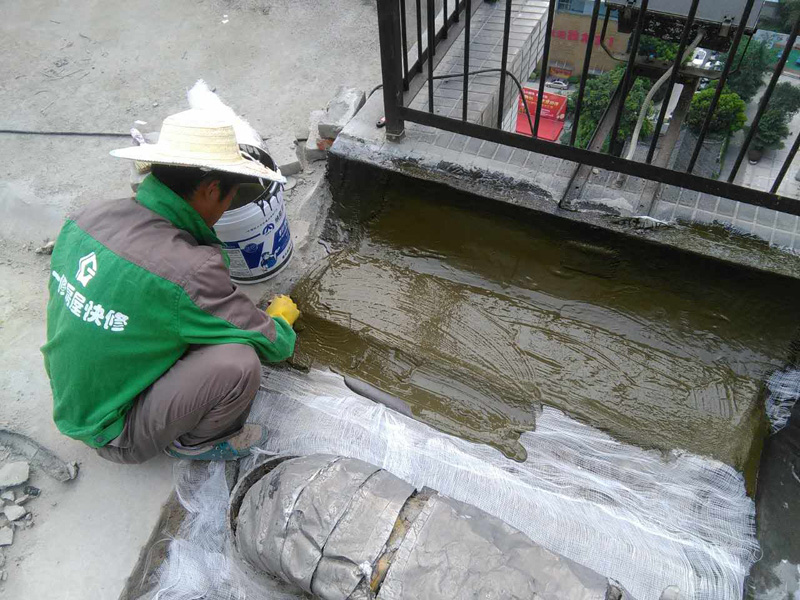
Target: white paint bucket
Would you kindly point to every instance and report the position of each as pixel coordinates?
(255, 231)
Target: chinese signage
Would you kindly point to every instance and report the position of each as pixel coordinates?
(554, 109)
(573, 35)
(554, 106)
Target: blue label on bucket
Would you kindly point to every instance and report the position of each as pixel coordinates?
(258, 243)
(252, 254)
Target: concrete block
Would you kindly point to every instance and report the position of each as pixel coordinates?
(342, 107)
(6, 536)
(316, 147)
(14, 512)
(282, 151)
(14, 473)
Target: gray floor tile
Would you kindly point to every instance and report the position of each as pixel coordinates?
(726, 207)
(707, 202)
(473, 146)
(786, 222)
(746, 212)
(766, 217)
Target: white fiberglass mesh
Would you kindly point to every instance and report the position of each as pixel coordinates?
(784, 390)
(199, 561)
(646, 520)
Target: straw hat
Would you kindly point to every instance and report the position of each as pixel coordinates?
(198, 138)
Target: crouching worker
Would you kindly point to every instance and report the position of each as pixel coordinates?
(150, 346)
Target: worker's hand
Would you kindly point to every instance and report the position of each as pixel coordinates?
(285, 308)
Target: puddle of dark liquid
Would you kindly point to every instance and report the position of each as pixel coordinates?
(477, 319)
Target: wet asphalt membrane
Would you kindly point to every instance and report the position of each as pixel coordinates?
(474, 319)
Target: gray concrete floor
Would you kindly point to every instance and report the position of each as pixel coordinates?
(98, 66)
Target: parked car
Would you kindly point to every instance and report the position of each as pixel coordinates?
(559, 84)
(699, 58)
(704, 83)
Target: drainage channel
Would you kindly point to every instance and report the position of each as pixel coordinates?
(602, 396)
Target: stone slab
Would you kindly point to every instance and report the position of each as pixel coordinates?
(342, 107)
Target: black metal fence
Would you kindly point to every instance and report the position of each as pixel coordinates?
(405, 74)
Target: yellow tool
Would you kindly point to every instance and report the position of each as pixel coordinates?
(285, 308)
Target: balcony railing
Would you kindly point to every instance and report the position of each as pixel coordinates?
(406, 71)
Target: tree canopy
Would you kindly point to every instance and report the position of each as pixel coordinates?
(599, 91)
(772, 129)
(747, 72)
(785, 97)
(658, 48)
(729, 116)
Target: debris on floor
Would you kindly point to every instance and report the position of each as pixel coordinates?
(13, 512)
(316, 147)
(47, 248)
(37, 455)
(283, 151)
(21, 459)
(342, 107)
(14, 473)
(6, 536)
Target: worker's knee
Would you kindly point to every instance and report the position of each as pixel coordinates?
(239, 365)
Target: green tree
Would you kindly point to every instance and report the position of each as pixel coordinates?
(597, 96)
(729, 116)
(772, 130)
(748, 69)
(658, 48)
(788, 10)
(786, 97)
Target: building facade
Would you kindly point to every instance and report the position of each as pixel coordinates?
(571, 34)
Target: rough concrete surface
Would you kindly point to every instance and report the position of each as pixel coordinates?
(99, 66)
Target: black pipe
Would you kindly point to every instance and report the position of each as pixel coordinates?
(391, 65)
(466, 59)
(404, 35)
(431, 51)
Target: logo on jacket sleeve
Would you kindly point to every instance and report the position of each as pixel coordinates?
(87, 268)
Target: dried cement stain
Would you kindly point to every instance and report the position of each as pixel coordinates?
(476, 321)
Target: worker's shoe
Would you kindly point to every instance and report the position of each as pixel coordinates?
(240, 445)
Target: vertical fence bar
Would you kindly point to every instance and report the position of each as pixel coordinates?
(626, 81)
(762, 106)
(419, 37)
(391, 65)
(605, 25)
(551, 8)
(431, 46)
(504, 64)
(721, 84)
(468, 18)
(676, 67)
(444, 15)
(457, 11)
(786, 164)
(404, 35)
(585, 74)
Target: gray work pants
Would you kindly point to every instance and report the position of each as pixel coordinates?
(204, 396)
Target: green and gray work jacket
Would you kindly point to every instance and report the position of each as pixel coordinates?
(133, 284)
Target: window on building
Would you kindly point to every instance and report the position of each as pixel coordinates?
(571, 5)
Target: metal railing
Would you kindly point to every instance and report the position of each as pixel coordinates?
(405, 73)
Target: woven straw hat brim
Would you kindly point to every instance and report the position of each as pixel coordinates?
(151, 153)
